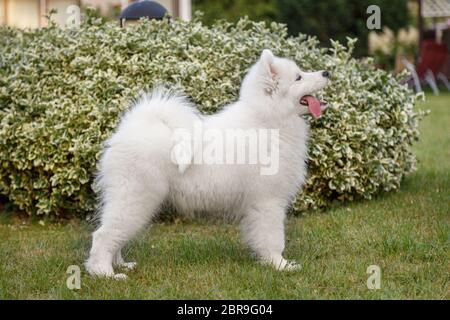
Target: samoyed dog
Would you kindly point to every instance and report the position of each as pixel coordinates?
(157, 157)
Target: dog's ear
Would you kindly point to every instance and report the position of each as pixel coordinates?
(267, 60)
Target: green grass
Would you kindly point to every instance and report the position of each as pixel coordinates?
(406, 233)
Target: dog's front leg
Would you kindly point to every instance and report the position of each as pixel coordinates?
(262, 228)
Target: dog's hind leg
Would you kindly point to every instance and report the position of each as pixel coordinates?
(129, 207)
(262, 228)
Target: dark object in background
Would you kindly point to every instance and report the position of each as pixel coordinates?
(429, 34)
(330, 19)
(142, 9)
(339, 19)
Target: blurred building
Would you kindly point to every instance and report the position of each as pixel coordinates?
(31, 13)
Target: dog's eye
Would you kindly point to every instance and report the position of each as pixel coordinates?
(298, 78)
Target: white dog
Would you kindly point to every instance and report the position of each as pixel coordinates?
(139, 171)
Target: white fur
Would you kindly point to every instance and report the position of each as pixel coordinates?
(137, 175)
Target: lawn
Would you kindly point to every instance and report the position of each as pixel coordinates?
(405, 233)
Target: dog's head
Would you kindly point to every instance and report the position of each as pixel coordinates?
(280, 82)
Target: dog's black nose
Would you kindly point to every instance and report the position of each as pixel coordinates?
(326, 74)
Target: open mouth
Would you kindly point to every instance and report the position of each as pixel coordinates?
(315, 106)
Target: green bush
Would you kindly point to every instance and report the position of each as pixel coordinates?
(62, 92)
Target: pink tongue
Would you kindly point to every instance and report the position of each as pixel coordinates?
(313, 105)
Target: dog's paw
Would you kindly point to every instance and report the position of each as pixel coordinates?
(119, 276)
(285, 265)
(281, 264)
(105, 271)
(128, 265)
(292, 266)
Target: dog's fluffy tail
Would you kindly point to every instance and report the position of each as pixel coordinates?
(163, 106)
(167, 105)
